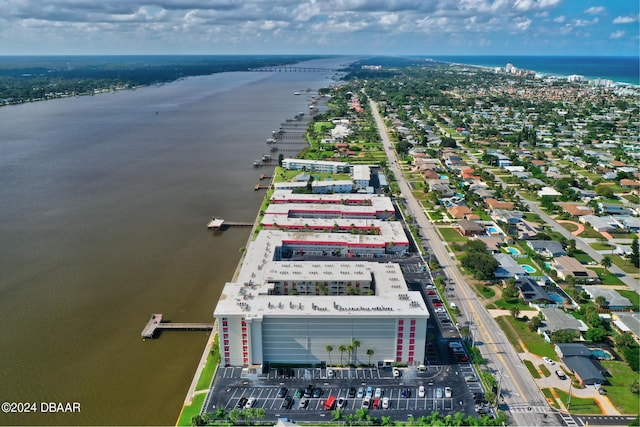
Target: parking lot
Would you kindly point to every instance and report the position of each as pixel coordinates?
(446, 389)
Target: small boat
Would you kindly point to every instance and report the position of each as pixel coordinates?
(271, 140)
(296, 93)
(257, 163)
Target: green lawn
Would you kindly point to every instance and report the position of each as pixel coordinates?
(624, 264)
(569, 226)
(579, 405)
(532, 369)
(190, 411)
(618, 391)
(485, 291)
(451, 235)
(549, 395)
(512, 302)
(533, 341)
(601, 246)
(511, 336)
(632, 296)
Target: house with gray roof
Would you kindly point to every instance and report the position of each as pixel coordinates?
(615, 300)
(547, 248)
(627, 322)
(508, 267)
(556, 319)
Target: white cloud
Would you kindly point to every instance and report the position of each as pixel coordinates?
(616, 35)
(560, 19)
(594, 10)
(526, 5)
(522, 24)
(625, 19)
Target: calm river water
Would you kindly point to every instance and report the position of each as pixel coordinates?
(103, 206)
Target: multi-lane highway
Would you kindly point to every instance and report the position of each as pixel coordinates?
(522, 398)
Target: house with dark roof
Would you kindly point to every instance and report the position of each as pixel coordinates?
(587, 371)
(530, 292)
(579, 359)
(547, 248)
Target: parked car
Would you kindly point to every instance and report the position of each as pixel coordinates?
(287, 403)
(421, 391)
(369, 391)
(561, 374)
(250, 402)
(548, 360)
(376, 404)
(366, 402)
(439, 393)
(378, 393)
(396, 372)
(282, 392)
(299, 393)
(447, 392)
(317, 392)
(308, 392)
(330, 373)
(241, 402)
(352, 392)
(303, 403)
(360, 392)
(406, 393)
(385, 403)
(341, 402)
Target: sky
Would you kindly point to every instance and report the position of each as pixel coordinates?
(347, 27)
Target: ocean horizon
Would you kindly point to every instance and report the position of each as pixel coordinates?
(620, 69)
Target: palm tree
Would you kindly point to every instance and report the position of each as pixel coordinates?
(385, 421)
(342, 348)
(350, 350)
(515, 311)
(355, 344)
(337, 414)
(329, 349)
(370, 353)
(606, 263)
(361, 414)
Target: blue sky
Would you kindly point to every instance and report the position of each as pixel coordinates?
(371, 27)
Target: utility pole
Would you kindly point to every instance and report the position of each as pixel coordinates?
(569, 398)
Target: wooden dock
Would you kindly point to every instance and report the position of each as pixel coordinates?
(260, 187)
(156, 323)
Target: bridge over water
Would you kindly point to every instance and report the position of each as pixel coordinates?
(290, 69)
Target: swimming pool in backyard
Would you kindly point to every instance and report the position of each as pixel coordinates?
(600, 354)
(556, 297)
(528, 268)
(513, 251)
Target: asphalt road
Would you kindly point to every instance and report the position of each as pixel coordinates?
(524, 402)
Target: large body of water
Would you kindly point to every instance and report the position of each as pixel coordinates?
(624, 69)
(103, 207)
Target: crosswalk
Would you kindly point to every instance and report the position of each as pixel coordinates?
(568, 420)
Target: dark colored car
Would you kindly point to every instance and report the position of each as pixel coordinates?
(317, 392)
(282, 392)
(242, 402)
(288, 401)
(352, 392)
(406, 393)
(308, 392)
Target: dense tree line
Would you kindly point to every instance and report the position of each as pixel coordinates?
(28, 79)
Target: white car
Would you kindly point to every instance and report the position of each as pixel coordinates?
(341, 402)
(330, 373)
(549, 361)
(396, 372)
(250, 403)
(385, 403)
(366, 402)
(421, 391)
(447, 392)
(378, 393)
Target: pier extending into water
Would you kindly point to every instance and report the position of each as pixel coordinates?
(156, 323)
(218, 223)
